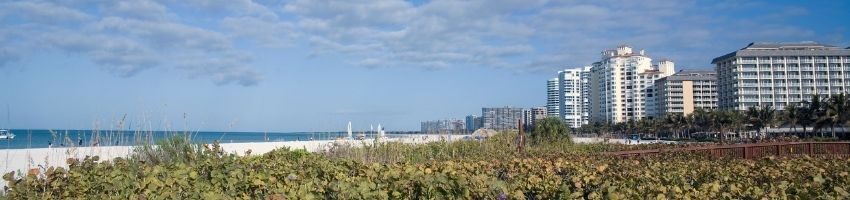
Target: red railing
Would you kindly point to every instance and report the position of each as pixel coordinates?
(750, 151)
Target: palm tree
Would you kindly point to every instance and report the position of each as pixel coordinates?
(689, 124)
(817, 109)
(836, 111)
(790, 117)
(701, 120)
(720, 121)
(735, 121)
(675, 123)
(760, 117)
(809, 114)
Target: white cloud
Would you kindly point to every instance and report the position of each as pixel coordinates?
(197, 37)
(141, 9)
(263, 32)
(44, 12)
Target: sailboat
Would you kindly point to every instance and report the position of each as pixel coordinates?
(381, 133)
(349, 130)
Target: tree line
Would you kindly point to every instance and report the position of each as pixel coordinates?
(816, 117)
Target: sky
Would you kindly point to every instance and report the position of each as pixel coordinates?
(314, 65)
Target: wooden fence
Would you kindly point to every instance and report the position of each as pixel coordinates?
(750, 151)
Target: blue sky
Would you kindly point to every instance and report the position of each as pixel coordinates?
(314, 65)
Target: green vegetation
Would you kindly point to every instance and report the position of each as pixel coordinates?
(812, 116)
(550, 128)
(489, 169)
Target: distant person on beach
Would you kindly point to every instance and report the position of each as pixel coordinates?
(49, 144)
(81, 142)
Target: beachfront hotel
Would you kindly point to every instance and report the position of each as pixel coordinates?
(622, 85)
(777, 74)
(574, 96)
(685, 91)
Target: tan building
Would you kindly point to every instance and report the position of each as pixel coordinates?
(686, 91)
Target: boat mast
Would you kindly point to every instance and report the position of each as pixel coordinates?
(349, 130)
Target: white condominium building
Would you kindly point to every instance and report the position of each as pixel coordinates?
(777, 74)
(686, 91)
(622, 85)
(552, 99)
(574, 96)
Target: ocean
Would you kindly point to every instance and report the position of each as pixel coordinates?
(25, 139)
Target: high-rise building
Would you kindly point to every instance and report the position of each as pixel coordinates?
(777, 74)
(472, 123)
(503, 118)
(622, 85)
(533, 115)
(686, 91)
(527, 118)
(574, 96)
(552, 99)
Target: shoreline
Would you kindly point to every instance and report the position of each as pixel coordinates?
(21, 160)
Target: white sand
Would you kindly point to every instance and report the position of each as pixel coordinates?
(21, 160)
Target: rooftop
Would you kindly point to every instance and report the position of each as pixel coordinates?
(803, 45)
(805, 48)
(692, 75)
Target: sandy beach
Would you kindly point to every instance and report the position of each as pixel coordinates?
(22, 159)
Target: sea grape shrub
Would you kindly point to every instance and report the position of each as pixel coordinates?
(285, 174)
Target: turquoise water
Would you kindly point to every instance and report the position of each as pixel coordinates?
(67, 138)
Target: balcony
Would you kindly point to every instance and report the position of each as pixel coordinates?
(749, 100)
(749, 85)
(806, 60)
(836, 84)
(834, 68)
(808, 76)
(747, 62)
(806, 68)
(749, 69)
(793, 76)
(780, 99)
(765, 76)
(835, 60)
(778, 61)
(793, 69)
(765, 69)
(835, 76)
(778, 76)
(748, 76)
(822, 76)
(779, 84)
(821, 69)
(820, 60)
(794, 84)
